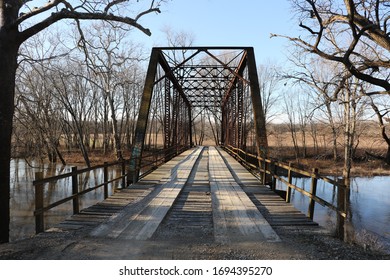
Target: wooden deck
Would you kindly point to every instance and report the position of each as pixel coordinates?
(203, 193)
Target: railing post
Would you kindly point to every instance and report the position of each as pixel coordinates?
(265, 171)
(313, 192)
(289, 179)
(75, 190)
(123, 174)
(340, 222)
(274, 173)
(39, 215)
(105, 178)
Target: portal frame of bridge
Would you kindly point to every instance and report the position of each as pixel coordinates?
(180, 79)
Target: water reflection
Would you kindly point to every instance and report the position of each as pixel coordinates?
(370, 205)
(22, 198)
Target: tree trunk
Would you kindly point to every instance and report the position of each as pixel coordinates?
(382, 128)
(333, 128)
(115, 131)
(106, 139)
(349, 135)
(83, 149)
(8, 64)
(60, 155)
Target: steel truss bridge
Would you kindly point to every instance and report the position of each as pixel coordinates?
(181, 84)
(200, 193)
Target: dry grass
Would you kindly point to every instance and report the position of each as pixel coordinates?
(281, 147)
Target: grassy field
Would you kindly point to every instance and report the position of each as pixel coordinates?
(321, 155)
(318, 143)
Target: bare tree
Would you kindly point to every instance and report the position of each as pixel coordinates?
(382, 113)
(73, 91)
(37, 110)
(290, 107)
(19, 21)
(107, 58)
(269, 81)
(323, 80)
(352, 33)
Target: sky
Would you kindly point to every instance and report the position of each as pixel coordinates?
(245, 23)
(242, 23)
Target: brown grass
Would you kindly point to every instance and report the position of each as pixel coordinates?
(281, 147)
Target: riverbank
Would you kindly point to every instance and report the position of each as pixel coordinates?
(366, 168)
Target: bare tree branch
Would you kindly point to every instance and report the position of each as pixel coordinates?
(363, 50)
(66, 14)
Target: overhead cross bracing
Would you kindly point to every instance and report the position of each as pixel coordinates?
(206, 75)
(187, 82)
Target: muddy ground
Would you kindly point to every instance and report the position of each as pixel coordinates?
(296, 244)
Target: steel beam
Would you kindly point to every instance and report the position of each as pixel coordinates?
(258, 113)
(221, 87)
(140, 130)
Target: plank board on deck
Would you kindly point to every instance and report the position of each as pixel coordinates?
(274, 208)
(139, 221)
(235, 215)
(190, 217)
(100, 212)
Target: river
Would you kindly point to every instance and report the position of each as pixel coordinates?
(22, 201)
(370, 201)
(369, 207)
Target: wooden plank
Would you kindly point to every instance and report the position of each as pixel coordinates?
(269, 204)
(240, 217)
(149, 219)
(141, 220)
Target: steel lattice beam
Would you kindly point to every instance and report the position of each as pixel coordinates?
(221, 80)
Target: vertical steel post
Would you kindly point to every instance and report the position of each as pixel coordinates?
(223, 126)
(167, 113)
(190, 125)
(259, 118)
(240, 113)
(140, 130)
(233, 114)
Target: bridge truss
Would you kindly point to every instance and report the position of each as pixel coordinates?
(186, 82)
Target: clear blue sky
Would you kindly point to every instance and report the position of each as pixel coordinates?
(226, 23)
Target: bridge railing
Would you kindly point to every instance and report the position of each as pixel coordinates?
(150, 161)
(270, 170)
(40, 183)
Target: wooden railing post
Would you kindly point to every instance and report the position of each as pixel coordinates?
(289, 179)
(75, 190)
(105, 179)
(313, 192)
(265, 171)
(39, 216)
(274, 173)
(340, 219)
(123, 164)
